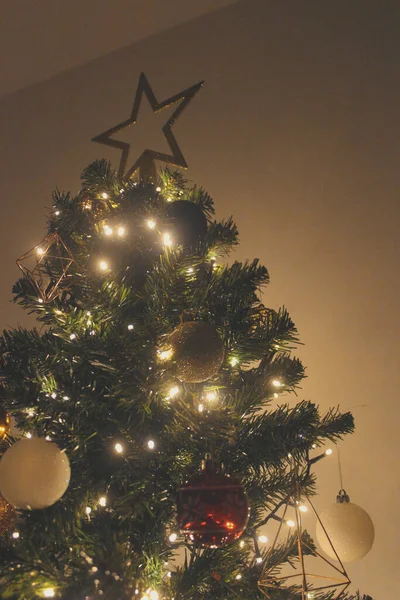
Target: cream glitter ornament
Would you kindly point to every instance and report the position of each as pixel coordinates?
(349, 528)
(34, 473)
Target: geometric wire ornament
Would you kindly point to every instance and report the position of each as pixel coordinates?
(309, 584)
(46, 266)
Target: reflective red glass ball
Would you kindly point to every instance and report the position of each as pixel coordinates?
(213, 508)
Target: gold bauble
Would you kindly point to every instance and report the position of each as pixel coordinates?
(197, 350)
(7, 516)
(4, 422)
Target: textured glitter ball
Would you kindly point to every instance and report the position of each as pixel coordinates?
(213, 508)
(350, 530)
(197, 350)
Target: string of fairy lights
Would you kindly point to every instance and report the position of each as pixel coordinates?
(210, 398)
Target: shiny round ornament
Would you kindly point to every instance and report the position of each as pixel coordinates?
(212, 508)
(187, 222)
(197, 350)
(34, 473)
(7, 516)
(4, 422)
(349, 529)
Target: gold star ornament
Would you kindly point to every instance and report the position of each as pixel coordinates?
(145, 164)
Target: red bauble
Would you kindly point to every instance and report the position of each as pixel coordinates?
(213, 508)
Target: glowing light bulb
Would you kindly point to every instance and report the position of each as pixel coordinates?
(57, 212)
(154, 595)
(173, 537)
(328, 452)
(234, 361)
(28, 435)
(72, 336)
(200, 408)
(103, 501)
(151, 445)
(49, 593)
(174, 391)
(40, 251)
(241, 544)
(211, 396)
(165, 354)
(276, 395)
(290, 523)
(103, 265)
(276, 383)
(107, 230)
(238, 576)
(258, 560)
(121, 231)
(15, 535)
(190, 270)
(150, 223)
(167, 239)
(88, 510)
(130, 327)
(262, 539)
(40, 300)
(104, 195)
(158, 189)
(169, 199)
(303, 508)
(118, 448)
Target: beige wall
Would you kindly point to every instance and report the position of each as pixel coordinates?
(296, 133)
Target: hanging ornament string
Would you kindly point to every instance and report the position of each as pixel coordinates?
(340, 468)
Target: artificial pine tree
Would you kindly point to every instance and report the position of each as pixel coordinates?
(152, 355)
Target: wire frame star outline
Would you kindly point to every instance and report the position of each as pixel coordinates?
(145, 164)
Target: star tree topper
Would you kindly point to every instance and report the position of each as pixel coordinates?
(145, 164)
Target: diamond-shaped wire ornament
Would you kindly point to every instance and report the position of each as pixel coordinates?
(310, 585)
(46, 266)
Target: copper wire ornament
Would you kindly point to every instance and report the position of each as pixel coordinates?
(145, 164)
(304, 579)
(51, 252)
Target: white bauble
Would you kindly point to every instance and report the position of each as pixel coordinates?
(350, 529)
(34, 473)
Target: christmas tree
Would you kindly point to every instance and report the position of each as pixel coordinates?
(155, 356)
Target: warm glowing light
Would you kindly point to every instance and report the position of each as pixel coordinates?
(28, 435)
(173, 537)
(211, 396)
(40, 251)
(167, 239)
(238, 576)
(118, 448)
(151, 445)
(174, 391)
(165, 354)
(241, 544)
(72, 336)
(258, 560)
(276, 395)
(103, 501)
(328, 452)
(107, 230)
(121, 231)
(158, 189)
(230, 525)
(290, 523)
(169, 199)
(130, 327)
(262, 539)
(234, 361)
(104, 195)
(276, 383)
(103, 265)
(57, 212)
(190, 270)
(154, 595)
(49, 593)
(15, 535)
(200, 407)
(303, 508)
(88, 510)
(40, 300)
(150, 223)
